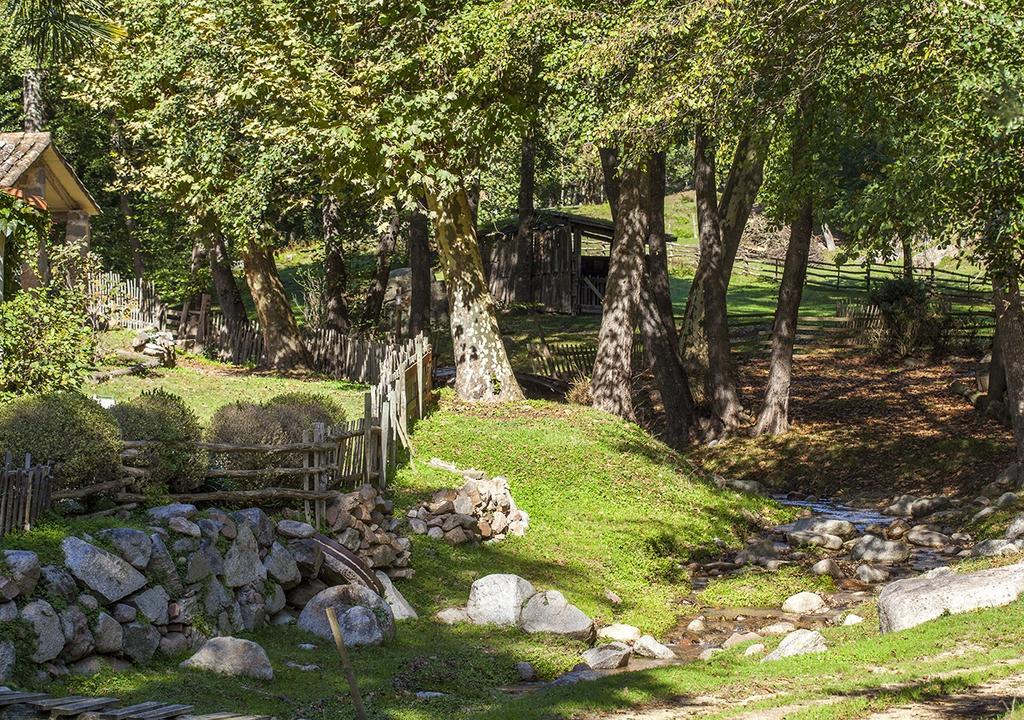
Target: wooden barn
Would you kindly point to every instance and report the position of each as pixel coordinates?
(569, 268)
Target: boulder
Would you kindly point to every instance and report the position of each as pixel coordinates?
(24, 568)
(923, 536)
(184, 526)
(104, 573)
(901, 506)
(8, 657)
(47, 629)
(798, 642)
(8, 611)
(360, 626)
(259, 522)
(825, 540)
(164, 513)
(313, 618)
(871, 575)
(78, 640)
(825, 526)
(803, 603)
(1016, 529)
(124, 613)
(301, 594)
(874, 549)
(130, 544)
(927, 506)
(452, 616)
(108, 635)
(607, 657)
(281, 566)
(852, 619)
(738, 638)
(141, 641)
(827, 567)
(498, 599)
(550, 612)
(400, 607)
(758, 553)
(242, 564)
(295, 529)
(59, 583)
(755, 649)
(174, 644)
(526, 671)
(232, 656)
(580, 673)
(997, 547)
(309, 556)
(1006, 500)
(620, 632)
(647, 646)
(161, 566)
(907, 603)
(152, 603)
(779, 628)
(697, 626)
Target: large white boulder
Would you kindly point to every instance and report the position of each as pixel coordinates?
(232, 656)
(498, 599)
(342, 598)
(798, 642)
(907, 603)
(104, 573)
(803, 603)
(550, 612)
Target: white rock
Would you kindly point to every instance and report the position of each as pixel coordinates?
(453, 616)
(755, 649)
(607, 657)
(907, 603)
(852, 619)
(647, 646)
(709, 653)
(232, 656)
(550, 612)
(868, 574)
(827, 567)
(498, 599)
(803, 603)
(779, 628)
(697, 626)
(399, 605)
(798, 642)
(620, 633)
(825, 526)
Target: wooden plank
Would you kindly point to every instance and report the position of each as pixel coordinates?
(11, 697)
(81, 706)
(49, 702)
(121, 713)
(167, 711)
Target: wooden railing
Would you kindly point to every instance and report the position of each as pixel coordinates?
(124, 303)
(25, 493)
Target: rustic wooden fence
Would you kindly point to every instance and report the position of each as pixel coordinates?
(25, 493)
(126, 303)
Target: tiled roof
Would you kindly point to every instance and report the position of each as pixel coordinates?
(17, 153)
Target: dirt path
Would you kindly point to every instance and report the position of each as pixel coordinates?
(990, 700)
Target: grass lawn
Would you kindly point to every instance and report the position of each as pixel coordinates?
(207, 386)
(680, 211)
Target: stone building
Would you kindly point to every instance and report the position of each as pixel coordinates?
(32, 169)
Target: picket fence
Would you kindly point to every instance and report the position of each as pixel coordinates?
(25, 491)
(114, 301)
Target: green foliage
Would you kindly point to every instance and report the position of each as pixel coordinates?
(176, 465)
(45, 344)
(67, 429)
(762, 589)
(911, 318)
(280, 420)
(21, 226)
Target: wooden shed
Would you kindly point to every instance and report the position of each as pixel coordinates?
(32, 169)
(570, 263)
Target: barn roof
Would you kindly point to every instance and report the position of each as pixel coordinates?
(20, 151)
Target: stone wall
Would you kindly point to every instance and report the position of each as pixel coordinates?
(127, 594)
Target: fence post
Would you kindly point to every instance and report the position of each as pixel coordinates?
(419, 376)
(867, 277)
(385, 433)
(306, 478)
(367, 435)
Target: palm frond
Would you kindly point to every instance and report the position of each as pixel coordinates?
(57, 30)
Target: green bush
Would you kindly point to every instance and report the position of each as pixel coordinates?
(911, 319)
(66, 429)
(45, 344)
(176, 464)
(279, 421)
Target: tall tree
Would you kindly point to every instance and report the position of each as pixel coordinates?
(657, 248)
(283, 348)
(229, 297)
(420, 268)
(386, 242)
(524, 230)
(336, 315)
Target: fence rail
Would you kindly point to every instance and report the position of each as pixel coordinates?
(25, 491)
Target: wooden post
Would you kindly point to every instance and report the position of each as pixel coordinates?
(346, 665)
(367, 435)
(419, 376)
(867, 276)
(385, 437)
(307, 478)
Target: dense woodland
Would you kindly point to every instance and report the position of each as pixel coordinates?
(214, 133)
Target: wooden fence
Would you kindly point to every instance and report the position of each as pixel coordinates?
(125, 303)
(25, 493)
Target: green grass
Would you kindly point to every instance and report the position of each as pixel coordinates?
(207, 386)
(762, 588)
(680, 211)
(45, 538)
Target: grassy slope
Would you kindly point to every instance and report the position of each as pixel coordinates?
(207, 386)
(680, 209)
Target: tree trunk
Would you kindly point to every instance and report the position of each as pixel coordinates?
(657, 254)
(385, 249)
(774, 416)
(611, 383)
(610, 175)
(420, 269)
(718, 385)
(283, 348)
(229, 297)
(997, 372)
(482, 369)
(1010, 330)
(336, 315)
(33, 104)
(745, 177)
(908, 258)
(138, 261)
(524, 233)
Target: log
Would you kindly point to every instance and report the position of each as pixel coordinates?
(241, 496)
(89, 490)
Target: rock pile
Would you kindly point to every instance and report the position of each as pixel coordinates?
(126, 594)
(481, 510)
(157, 344)
(363, 522)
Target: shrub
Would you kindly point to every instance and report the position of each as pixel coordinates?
(45, 344)
(67, 429)
(579, 391)
(175, 464)
(279, 421)
(910, 318)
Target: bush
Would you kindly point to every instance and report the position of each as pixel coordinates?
(279, 421)
(910, 318)
(176, 465)
(67, 429)
(45, 344)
